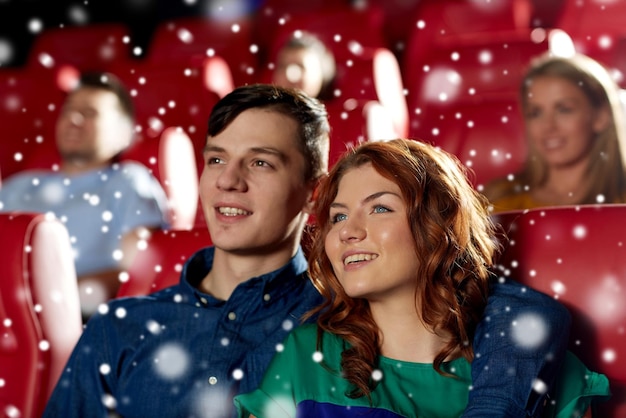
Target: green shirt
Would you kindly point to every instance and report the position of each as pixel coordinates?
(298, 384)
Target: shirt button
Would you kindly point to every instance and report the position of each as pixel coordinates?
(204, 301)
(232, 316)
(266, 297)
(212, 380)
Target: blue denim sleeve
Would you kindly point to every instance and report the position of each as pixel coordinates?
(84, 386)
(519, 347)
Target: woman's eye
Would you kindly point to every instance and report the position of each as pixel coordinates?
(338, 218)
(531, 114)
(381, 209)
(565, 110)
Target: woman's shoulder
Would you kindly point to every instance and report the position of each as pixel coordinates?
(306, 334)
(517, 201)
(578, 387)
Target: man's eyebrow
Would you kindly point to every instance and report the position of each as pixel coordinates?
(254, 150)
(369, 198)
(271, 151)
(212, 148)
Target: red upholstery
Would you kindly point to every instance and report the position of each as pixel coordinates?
(159, 265)
(91, 47)
(467, 49)
(453, 21)
(597, 30)
(483, 68)
(353, 122)
(169, 97)
(188, 41)
(274, 14)
(578, 255)
(486, 135)
(29, 105)
(39, 310)
(171, 160)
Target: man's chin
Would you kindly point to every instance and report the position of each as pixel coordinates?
(77, 158)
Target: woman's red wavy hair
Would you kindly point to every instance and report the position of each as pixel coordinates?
(454, 242)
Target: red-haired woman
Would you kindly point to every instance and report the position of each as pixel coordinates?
(402, 259)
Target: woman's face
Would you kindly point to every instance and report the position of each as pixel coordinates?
(561, 123)
(299, 68)
(370, 244)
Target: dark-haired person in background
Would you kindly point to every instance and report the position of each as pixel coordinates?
(106, 205)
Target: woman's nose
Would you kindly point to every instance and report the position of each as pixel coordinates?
(352, 230)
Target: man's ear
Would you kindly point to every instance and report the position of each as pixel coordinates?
(312, 188)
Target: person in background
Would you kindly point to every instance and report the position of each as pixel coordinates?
(211, 337)
(402, 258)
(106, 205)
(305, 63)
(576, 135)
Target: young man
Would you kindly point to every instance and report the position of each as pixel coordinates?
(106, 206)
(187, 350)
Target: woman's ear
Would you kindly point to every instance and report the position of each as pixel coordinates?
(602, 119)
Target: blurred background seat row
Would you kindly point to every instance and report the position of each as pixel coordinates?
(421, 82)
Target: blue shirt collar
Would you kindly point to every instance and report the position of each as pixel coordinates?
(269, 285)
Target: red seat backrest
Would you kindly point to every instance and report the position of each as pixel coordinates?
(456, 21)
(597, 30)
(578, 256)
(160, 263)
(274, 14)
(486, 135)
(29, 105)
(39, 310)
(91, 47)
(168, 96)
(188, 41)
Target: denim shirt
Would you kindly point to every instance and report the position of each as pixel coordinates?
(180, 352)
(97, 207)
(513, 368)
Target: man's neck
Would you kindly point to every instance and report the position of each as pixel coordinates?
(229, 270)
(75, 166)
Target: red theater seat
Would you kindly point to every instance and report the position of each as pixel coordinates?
(597, 30)
(39, 310)
(159, 265)
(578, 256)
(482, 68)
(486, 135)
(455, 21)
(29, 105)
(187, 42)
(273, 14)
(92, 47)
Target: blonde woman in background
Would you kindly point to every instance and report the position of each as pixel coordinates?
(575, 132)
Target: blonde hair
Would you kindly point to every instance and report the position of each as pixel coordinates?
(606, 170)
